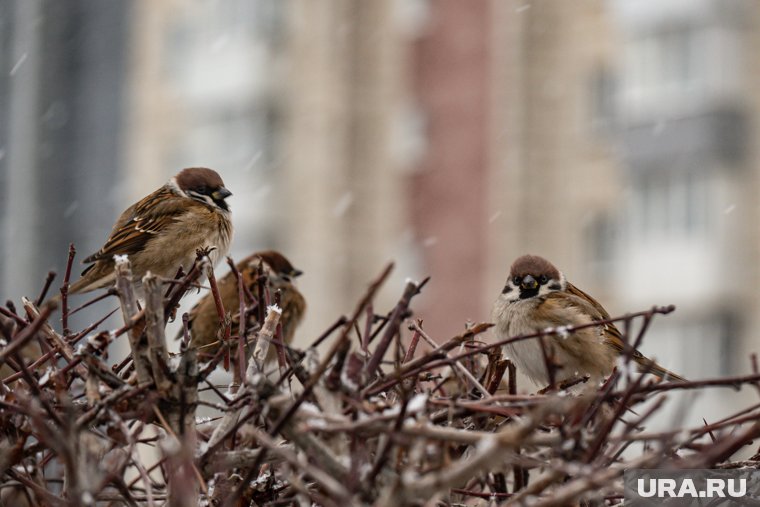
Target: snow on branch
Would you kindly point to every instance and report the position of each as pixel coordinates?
(349, 420)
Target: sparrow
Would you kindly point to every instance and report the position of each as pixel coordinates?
(537, 296)
(162, 231)
(29, 353)
(203, 319)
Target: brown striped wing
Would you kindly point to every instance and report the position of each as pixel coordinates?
(614, 338)
(140, 222)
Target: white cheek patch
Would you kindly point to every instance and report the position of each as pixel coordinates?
(175, 187)
(553, 286)
(513, 294)
(203, 198)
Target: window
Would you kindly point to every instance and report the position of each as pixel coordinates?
(602, 100)
(649, 210)
(222, 49)
(700, 347)
(671, 203)
(662, 66)
(696, 199)
(409, 142)
(601, 235)
(676, 63)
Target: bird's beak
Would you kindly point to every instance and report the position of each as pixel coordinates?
(296, 273)
(528, 282)
(220, 194)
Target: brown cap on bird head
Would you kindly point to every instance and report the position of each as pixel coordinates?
(533, 265)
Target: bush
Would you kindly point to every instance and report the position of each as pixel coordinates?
(363, 419)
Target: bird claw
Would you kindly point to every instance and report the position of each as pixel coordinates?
(204, 251)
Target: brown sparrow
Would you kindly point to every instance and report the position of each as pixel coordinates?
(204, 320)
(538, 296)
(162, 232)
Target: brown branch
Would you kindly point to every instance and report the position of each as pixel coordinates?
(158, 355)
(134, 321)
(399, 312)
(45, 288)
(65, 291)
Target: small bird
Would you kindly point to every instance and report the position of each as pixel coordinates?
(162, 232)
(538, 296)
(203, 319)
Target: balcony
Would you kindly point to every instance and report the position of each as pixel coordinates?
(717, 136)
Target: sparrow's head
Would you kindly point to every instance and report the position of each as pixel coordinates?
(532, 276)
(277, 267)
(204, 185)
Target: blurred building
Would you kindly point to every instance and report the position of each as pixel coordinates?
(554, 181)
(687, 105)
(62, 79)
(626, 158)
(300, 107)
(554, 184)
(451, 63)
(684, 121)
(204, 90)
(349, 140)
(614, 137)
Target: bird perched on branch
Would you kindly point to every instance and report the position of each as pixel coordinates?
(164, 230)
(537, 296)
(277, 272)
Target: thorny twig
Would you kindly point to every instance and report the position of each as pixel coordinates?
(367, 424)
(65, 291)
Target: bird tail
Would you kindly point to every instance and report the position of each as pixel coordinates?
(649, 366)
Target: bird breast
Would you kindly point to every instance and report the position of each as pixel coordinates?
(199, 227)
(578, 353)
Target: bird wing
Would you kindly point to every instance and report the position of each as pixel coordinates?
(614, 338)
(140, 222)
(591, 306)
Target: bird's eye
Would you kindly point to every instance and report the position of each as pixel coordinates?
(202, 190)
(543, 279)
(516, 280)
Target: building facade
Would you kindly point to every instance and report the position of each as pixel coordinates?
(614, 137)
(61, 95)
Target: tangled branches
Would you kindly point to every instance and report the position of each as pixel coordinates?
(362, 416)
